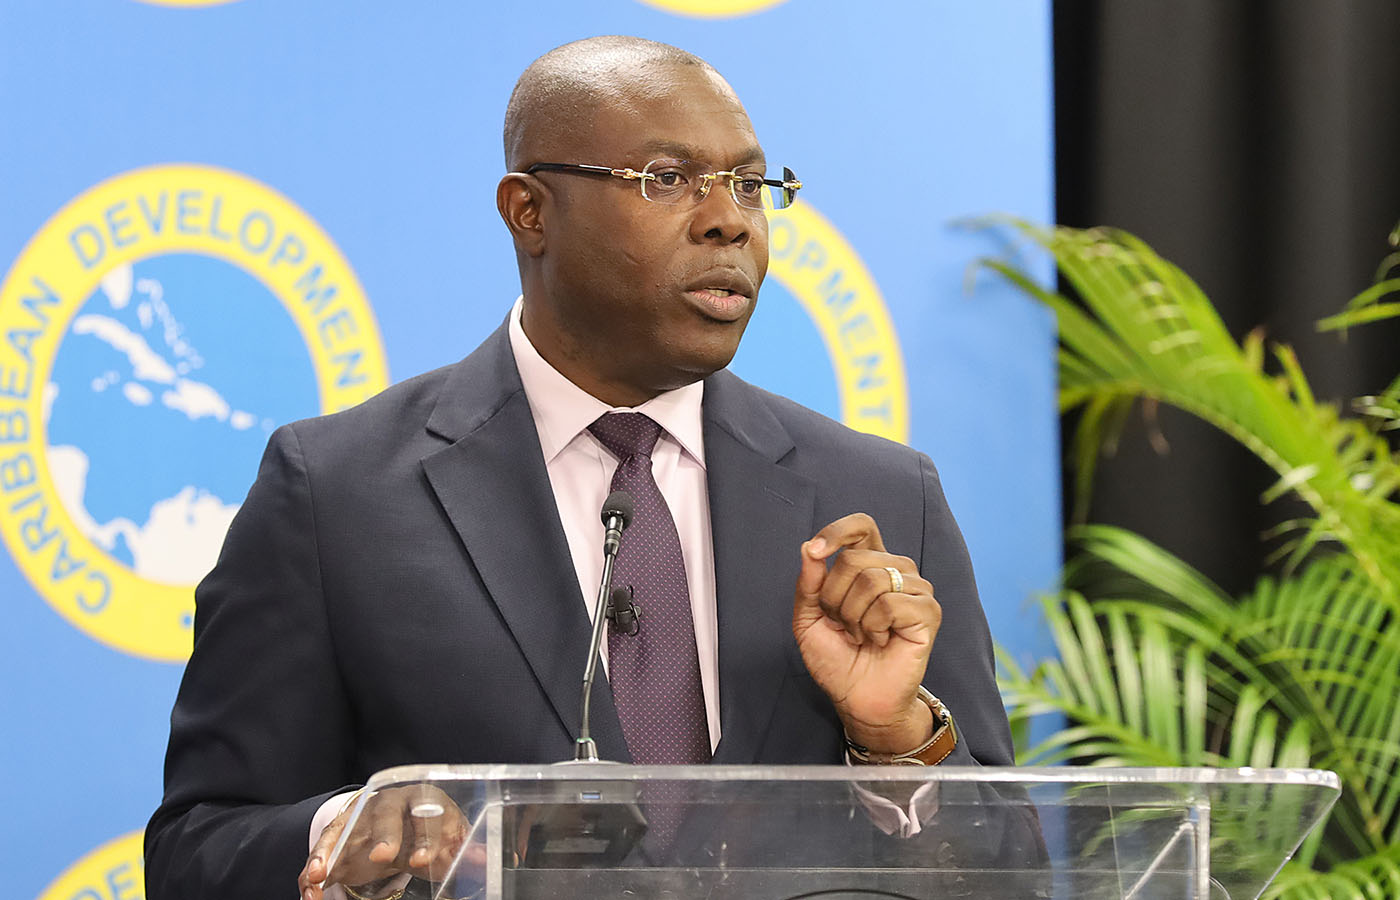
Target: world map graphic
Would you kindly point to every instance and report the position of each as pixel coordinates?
(166, 386)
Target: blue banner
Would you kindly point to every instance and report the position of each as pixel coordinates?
(222, 216)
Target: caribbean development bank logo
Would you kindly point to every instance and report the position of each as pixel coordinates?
(114, 871)
(152, 335)
(818, 268)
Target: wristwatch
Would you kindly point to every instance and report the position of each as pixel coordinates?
(931, 753)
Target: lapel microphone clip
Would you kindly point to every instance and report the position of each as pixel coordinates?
(625, 612)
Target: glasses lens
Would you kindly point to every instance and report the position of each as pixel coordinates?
(784, 196)
(670, 181)
(751, 190)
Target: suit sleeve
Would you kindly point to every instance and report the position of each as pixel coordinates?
(962, 669)
(978, 827)
(260, 724)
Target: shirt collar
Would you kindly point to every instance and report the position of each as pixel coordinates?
(562, 409)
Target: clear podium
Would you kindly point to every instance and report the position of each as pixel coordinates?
(604, 830)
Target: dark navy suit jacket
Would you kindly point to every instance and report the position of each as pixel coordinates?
(397, 589)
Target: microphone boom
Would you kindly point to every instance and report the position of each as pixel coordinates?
(616, 515)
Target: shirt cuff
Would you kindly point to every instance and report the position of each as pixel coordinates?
(890, 817)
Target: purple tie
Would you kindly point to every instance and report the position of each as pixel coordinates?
(655, 674)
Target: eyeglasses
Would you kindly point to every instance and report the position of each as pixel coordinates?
(683, 181)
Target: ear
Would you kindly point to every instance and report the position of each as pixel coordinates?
(519, 199)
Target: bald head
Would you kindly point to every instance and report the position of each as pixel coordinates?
(626, 294)
(559, 94)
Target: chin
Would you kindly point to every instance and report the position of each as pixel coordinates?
(704, 367)
(717, 346)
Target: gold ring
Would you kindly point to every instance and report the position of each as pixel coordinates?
(896, 580)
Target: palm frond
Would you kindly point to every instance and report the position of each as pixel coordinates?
(1366, 307)
(1372, 877)
(1317, 648)
(1160, 667)
(1170, 672)
(1160, 703)
(1144, 330)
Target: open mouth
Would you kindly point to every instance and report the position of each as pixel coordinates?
(720, 303)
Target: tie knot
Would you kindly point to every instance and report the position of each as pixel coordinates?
(626, 434)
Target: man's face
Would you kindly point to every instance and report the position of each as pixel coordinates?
(642, 297)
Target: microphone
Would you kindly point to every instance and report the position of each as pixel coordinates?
(616, 515)
(600, 824)
(622, 610)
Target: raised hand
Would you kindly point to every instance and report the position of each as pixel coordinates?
(866, 633)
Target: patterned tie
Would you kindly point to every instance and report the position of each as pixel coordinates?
(655, 674)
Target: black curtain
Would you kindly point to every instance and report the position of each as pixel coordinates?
(1256, 144)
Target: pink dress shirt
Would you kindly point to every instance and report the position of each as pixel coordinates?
(580, 473)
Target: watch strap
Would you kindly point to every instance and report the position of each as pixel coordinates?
(931, 753)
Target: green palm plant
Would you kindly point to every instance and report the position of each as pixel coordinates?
(1158, 666)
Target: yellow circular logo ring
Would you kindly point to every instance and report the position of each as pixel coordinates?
(815, 263)
(132, 217)
(713, 9)
(114, 870)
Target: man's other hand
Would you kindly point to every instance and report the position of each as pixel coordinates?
(415, 829)
(866, 644)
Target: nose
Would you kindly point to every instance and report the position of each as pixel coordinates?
(719, 219)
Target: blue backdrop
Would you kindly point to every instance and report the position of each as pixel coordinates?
(218, 217)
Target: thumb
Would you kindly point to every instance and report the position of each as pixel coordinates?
(316, 869)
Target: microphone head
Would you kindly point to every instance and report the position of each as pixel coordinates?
(618, 506)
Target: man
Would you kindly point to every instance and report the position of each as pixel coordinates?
(407, 580)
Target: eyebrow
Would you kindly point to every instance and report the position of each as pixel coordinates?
(753, 155)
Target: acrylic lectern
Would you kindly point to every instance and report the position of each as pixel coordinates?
(604, 830)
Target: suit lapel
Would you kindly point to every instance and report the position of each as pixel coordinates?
(760, 513)
(492, 483)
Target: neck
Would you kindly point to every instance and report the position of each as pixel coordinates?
(580, 369)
